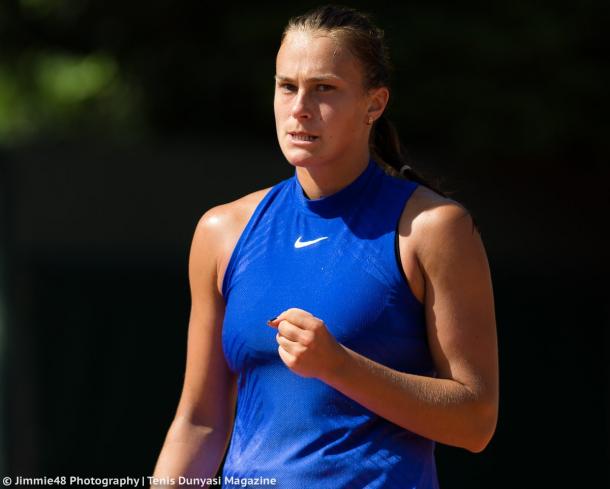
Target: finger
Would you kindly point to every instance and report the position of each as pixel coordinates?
(291, 331)
(287, 358)
(303, 336)
(298, 317)
(292, 347)
(274, 322)
(291, 313)
(305, 321)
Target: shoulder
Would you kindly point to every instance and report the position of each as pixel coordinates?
(438, 225)
(220, 227)
(221, 218)
(435, 212)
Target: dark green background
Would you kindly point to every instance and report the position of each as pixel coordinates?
(122, 122)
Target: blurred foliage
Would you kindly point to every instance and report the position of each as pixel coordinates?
(513, 77)
(55, 93)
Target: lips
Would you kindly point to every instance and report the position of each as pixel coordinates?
(303, 136)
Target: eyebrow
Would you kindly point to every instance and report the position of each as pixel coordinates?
(281, 78)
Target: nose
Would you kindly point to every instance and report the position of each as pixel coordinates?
(300, 106)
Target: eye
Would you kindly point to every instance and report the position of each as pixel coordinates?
(287, 87)
(324, 88)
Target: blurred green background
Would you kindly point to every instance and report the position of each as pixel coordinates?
(122, 122)
(132, 70)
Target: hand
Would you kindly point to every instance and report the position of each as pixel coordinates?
(305, 344)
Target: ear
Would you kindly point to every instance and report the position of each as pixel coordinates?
(378, 100)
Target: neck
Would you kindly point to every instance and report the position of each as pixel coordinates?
(321, 180)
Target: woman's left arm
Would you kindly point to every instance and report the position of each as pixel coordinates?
(460, 406)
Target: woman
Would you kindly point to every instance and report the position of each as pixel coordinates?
(382, 340)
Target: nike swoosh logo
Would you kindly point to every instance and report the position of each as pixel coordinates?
(300, 244)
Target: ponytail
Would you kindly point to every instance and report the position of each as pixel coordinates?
(387, 150)
(389, 153)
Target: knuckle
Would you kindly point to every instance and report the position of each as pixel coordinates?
(307, 339)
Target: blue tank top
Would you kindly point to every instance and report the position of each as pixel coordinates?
(335, 257)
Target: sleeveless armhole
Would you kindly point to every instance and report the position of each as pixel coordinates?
(235, 253)
(398, 261)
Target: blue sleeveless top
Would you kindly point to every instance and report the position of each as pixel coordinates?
(335, 257)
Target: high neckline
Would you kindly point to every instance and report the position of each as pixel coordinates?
(333, 204)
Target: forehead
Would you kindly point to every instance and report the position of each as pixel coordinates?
(306, 54)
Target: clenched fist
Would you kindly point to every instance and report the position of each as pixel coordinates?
(305, 344)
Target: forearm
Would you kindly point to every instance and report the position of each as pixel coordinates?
(190, 450)
(443, 410)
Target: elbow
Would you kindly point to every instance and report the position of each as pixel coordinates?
(479, 444)
(484, 427)
(183, 428)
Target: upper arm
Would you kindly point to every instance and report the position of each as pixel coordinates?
(208, 394)
(459, 302)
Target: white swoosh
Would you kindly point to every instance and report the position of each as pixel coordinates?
(299, 244)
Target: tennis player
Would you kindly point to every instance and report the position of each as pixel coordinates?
(345, 312)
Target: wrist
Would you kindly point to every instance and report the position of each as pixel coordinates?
(338, 365)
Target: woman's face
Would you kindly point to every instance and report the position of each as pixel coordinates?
(321, 106)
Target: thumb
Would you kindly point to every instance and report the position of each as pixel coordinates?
(274, 322)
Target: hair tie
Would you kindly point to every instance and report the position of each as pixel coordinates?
(404, 168)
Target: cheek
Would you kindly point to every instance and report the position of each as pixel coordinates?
(333, 116)
(279, 105)
(276, 107)
(339, 122)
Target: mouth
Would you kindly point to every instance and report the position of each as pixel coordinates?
(303, 137)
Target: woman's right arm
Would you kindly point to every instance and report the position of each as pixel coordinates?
(198, 436)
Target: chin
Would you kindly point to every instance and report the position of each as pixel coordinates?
(299, 157)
